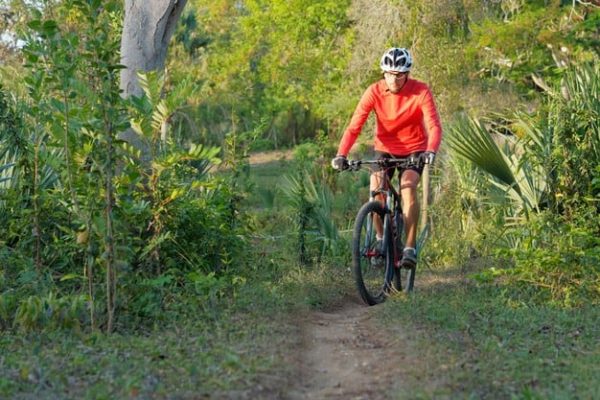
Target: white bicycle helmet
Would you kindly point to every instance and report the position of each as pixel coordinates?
(396, 60)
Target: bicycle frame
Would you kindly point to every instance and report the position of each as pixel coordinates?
(392, 203)
(393, 208)
(385, 207)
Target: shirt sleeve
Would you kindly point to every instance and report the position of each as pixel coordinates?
(431, 120)
(364, 107)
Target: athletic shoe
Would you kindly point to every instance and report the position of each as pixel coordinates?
(409, 258)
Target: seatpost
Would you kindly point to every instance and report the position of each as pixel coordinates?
(389, 201)
(372, 194)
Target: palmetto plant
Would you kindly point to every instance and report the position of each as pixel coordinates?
(550, 160)
(301, 193)
(10, 132)
(583, 95)
(23, 174)
(328, 234)
(312, 202)
(501, 157)
(577, 143)
(6, 172)
(547, 160)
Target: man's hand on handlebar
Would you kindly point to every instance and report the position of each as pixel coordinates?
(340, 163)
(428, 157)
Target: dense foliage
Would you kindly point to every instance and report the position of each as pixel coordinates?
(87, 224)
(544, 181)
(198, 259)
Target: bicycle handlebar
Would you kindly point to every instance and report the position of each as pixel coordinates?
(354, 165)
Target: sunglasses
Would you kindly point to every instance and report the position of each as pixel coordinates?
(398, 76)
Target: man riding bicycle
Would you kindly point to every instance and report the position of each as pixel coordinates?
(408, 125)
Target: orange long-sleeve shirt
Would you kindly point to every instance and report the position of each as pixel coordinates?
(407, 121)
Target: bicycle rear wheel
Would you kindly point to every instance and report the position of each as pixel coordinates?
(372, 270)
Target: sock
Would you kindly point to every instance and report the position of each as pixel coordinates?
(410, 248)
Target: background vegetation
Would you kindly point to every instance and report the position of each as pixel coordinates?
(92, 239)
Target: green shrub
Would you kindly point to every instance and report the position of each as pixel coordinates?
(556, 263)
(562, 268)
(306, 152)
(51, 312)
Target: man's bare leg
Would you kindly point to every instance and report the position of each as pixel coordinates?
(376, 179)
(410, 205)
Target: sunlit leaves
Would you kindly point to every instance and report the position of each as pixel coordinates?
(45, 29)
(279, 60)
(471, 140)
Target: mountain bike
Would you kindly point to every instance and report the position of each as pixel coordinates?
(377, 264)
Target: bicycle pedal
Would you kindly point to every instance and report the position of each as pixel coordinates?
(377, 261)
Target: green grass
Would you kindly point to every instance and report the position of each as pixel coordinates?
(186, 359)
(193, 358)
(236, 348)
(479, 344)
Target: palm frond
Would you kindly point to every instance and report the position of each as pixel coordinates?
(521, 179)
(470, 140)
(6, 174)
(582, 85)
(314, 201)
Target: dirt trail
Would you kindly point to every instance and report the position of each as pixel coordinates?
(343, 353)
(345, 356)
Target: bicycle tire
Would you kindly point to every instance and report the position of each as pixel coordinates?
(404, 278)
(373, 281)
(398, 231)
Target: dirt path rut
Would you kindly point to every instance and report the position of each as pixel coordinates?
(344, 356)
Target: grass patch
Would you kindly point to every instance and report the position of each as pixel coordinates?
(480, 345)
(238, 349)
(228, 347)
(189, 360)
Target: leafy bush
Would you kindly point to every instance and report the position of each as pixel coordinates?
(37, 312)
(559, 267)
(547, 170)
(80, 198)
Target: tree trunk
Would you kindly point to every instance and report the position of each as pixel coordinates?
(147, 30)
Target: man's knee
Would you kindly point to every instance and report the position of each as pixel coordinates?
(410, 202)
(410, 180)
(410, 187)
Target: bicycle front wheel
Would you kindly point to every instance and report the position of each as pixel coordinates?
(405, 279)
(373, 272)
